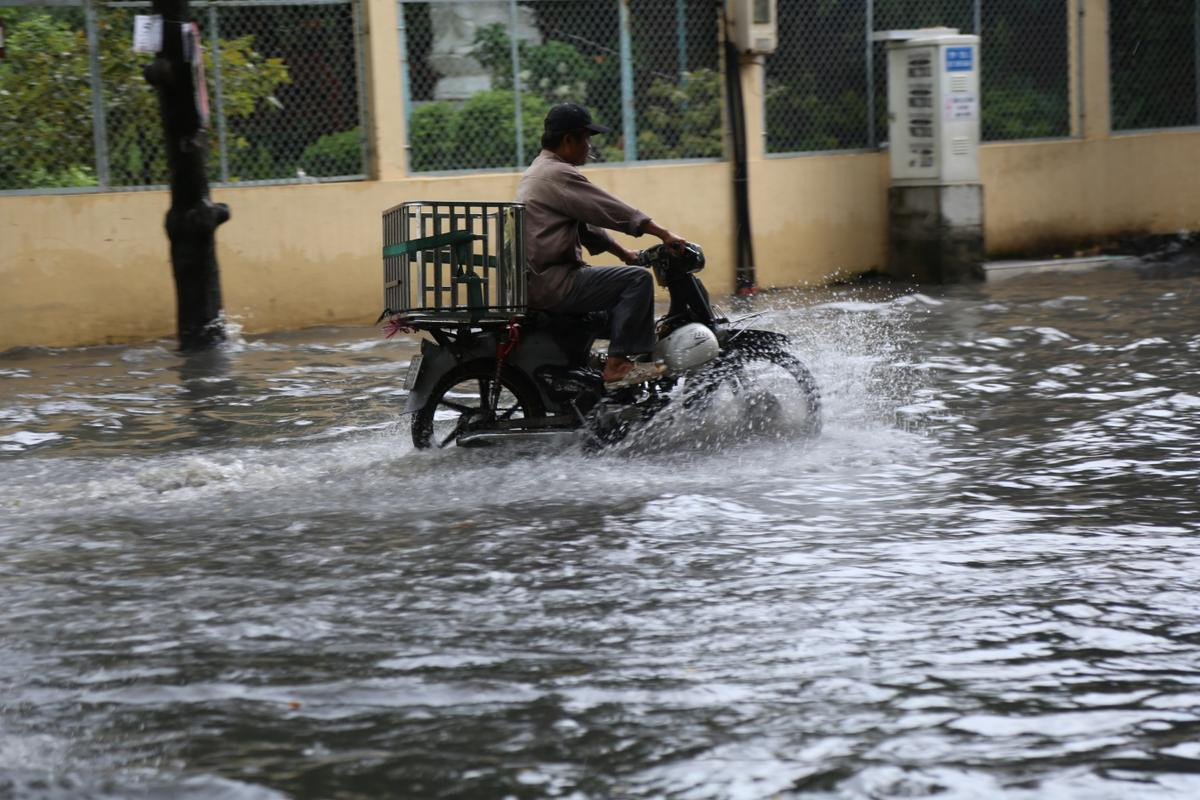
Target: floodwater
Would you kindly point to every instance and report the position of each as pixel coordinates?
(234, 577)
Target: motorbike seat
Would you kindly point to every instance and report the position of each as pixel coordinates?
(597, 323)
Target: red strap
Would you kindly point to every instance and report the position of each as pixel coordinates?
(506, 347)
(397, 323)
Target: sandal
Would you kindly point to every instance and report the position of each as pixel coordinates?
(640, 372)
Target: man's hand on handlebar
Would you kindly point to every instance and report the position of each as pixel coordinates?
(674, 243)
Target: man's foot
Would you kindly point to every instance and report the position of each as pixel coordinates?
(621, 372)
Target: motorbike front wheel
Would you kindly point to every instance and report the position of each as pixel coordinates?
(772, 389)
(462, 401)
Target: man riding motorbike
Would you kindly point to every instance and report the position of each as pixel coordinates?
(565, 212)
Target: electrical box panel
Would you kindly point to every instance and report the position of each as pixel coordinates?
(933, 108)
(754, 25)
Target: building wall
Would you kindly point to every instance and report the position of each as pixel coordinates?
(1041, 196)
(93, 268)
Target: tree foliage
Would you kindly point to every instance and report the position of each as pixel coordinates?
(554, 70)
(45, 101)
(817, 84)
(431, 136)
(334, 154)
(46, 136)
(480, 134)
(1154, 70)
(676, 119)
(682, 119)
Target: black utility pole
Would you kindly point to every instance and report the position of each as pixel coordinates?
(177, 75)
(744, 274)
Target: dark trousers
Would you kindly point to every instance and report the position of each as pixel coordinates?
(627, 293)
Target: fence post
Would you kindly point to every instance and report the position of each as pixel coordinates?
(218, 86)
(405, 86)
(386, 123)
(681, 38)
(1196, 55)
(1075, 65)
(1096, 81)
(870, 58)
(514, 54)
(978, 12)
(99, 124)
(628, 123)
(358, 17)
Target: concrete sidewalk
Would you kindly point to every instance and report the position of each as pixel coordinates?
(1000, 270)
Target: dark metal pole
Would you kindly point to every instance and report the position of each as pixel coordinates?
(193, 218)
(1196, 55)
(744, 274)
(872, 141)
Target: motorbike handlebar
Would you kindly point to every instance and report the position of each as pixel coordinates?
(690, 258)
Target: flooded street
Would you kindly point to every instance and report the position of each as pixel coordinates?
(233, 576)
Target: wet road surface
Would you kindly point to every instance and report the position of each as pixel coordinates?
(233, 577)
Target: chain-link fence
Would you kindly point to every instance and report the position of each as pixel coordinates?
(480, 75)
(284, 81)
(1154, 48)
(817, 83)
(1025, 80)
(827, 82)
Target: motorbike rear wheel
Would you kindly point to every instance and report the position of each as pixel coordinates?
(461, 402)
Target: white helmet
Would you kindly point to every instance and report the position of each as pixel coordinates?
(687, 347)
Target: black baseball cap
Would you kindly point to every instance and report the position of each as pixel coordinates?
(567, 117)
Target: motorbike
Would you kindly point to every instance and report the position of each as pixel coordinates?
(535, 375)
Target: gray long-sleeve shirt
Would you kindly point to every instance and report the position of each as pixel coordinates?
(565, 212)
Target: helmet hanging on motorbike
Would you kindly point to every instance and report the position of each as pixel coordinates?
(687, 347)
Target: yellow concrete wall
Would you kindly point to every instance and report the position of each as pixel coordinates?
(1041, 194)
(1044, 194)
(820, 217)
(817, 218)
(813, 218)
(94, 268)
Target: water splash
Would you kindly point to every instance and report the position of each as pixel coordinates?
(978, 581)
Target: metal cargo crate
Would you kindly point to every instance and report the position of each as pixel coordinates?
(454, 261)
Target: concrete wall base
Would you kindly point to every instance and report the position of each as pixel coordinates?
(936, 233)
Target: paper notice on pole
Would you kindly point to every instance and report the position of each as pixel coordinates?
(962, 106)
(147, 33)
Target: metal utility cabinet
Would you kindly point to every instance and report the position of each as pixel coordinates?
(935, 203)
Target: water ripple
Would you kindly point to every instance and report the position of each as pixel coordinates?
(232, 577)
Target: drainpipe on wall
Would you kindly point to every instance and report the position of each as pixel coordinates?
(736, 112)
